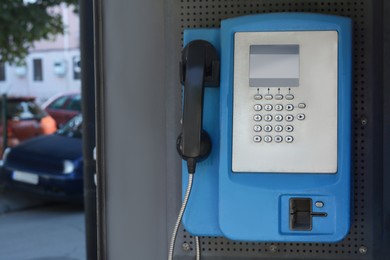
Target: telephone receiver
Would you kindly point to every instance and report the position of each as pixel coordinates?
(199, 68)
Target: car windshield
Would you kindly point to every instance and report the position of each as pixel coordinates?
(23, 110)
(72, 128)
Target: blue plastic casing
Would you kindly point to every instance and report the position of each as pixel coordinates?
(255, 206)
(201, 215)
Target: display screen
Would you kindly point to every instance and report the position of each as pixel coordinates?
(274, 66)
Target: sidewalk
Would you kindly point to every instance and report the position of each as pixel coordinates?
(53, 232)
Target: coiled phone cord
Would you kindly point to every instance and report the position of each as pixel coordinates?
(178, 221)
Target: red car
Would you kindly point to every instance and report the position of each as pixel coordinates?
(63, 107)
(25, 120)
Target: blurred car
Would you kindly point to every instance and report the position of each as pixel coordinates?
(25, 120)
(49, 166)
(63, 107)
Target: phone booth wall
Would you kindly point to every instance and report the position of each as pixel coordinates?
(138, 49)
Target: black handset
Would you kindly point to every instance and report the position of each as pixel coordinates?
(199, 67)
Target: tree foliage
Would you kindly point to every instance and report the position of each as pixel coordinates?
(24, 22)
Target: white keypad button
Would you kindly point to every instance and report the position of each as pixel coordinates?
(257, 107)
(301, 116)
(289, 96)
(268, 97)
(278, 128)
(289, 128)
(258, 97)
(257, 118)
(278, 138)
(289, 118)
(267, 139)
(278, 107)
(278, 96)
(267, 128)
(278, 118)
(257, 128)
(302, 105)
(268, 118)
(289, 139)
(268, 107)
(289, 107)
(257, 138)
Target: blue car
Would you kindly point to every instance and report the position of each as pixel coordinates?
(50, 166)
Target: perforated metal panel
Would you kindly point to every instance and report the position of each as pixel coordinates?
(359, 243)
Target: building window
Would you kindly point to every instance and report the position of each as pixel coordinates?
(37, 67)
(76, 67)
(2, 71)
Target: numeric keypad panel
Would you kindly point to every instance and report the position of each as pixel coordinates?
(275, 119)
(301, 106)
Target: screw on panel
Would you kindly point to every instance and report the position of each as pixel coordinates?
(273, 248)
(185, 246)
(363, 121)
(363, 249)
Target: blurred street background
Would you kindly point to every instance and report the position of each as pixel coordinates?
(40, 95)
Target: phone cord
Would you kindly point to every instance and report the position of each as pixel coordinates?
(178, 221)
(197, 246)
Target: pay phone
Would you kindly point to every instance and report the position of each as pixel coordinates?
(271, 145)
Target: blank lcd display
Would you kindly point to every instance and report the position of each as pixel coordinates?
(274, 66)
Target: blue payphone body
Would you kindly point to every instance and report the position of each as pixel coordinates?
(280, 126)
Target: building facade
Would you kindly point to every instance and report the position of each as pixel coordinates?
(51, 67)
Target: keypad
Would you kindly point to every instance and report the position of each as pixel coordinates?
(289, 107)
(275, 118)
(278, 118)
(257, 117)
(278, 107)
(257, 107)
(268, 107)
(257, 138)
(267, 128)
(289, 128)
(302, 105)
(289, 118)
(301, 116)
(267, 138)
(289, 96)
(258, 97)
(278, 128)
(278, 97)
(268, 118)
(257, 128)
(278, 138)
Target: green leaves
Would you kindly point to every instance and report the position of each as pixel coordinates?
(24, 22)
